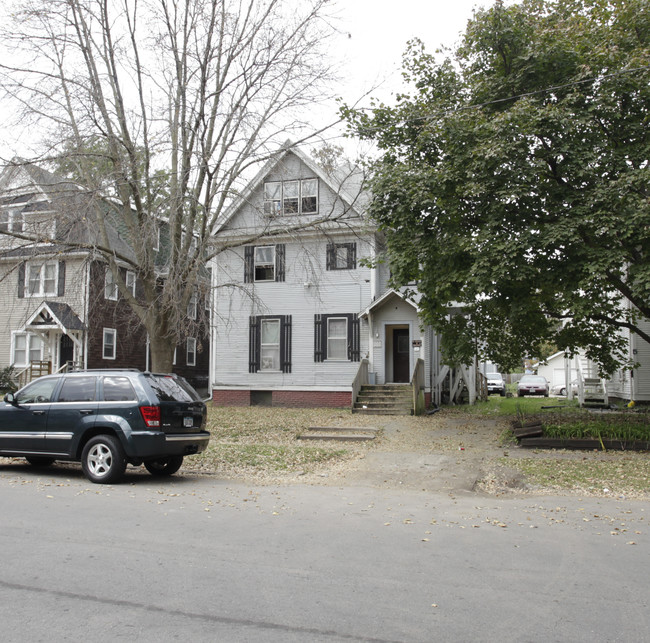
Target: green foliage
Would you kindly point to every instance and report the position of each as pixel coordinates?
(516, 407)
(7, 379)
(619, 426)
(515, 179)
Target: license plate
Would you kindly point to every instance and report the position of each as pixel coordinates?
(188, 422)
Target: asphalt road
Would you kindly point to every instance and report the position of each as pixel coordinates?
(202, 559)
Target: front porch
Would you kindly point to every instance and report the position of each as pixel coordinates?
(62, 336)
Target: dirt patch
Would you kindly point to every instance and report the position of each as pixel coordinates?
(454, 452)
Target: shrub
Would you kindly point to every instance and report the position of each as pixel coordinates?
(7, 381)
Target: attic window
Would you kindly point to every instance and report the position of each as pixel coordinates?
(291, 197)
(12, 221)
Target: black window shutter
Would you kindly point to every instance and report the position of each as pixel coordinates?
(61, 285)
(21, 280)
(279, 262)
(285, 344)
(330, 256)
(254, 345)
(319, 354)
(352, 256)
(354, 353)
(249, 267)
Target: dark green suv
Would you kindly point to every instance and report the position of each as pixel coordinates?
(105, 419)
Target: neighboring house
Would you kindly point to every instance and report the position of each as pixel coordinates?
(298, 309)
(61, 306)
(633, 383)
(624, 384)
(554, 369)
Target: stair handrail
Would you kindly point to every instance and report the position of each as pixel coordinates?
(21, 377)
(583, 384)
(360, 379)
(418, 385)
(581, 381)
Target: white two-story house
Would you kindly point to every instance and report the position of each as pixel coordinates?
(297, 305)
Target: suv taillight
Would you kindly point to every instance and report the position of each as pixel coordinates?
(151, 416)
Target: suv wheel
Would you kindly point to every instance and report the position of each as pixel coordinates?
(164, 466)
(102, 459)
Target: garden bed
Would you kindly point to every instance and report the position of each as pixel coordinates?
(584, 443)
(583, 430)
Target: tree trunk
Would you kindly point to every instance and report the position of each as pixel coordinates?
(161, 353)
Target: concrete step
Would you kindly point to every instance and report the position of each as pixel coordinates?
(342, 429)
(337, 437)
(339, 433)
(386, 395)
(383, 405)
(392, 411)
(385, 399)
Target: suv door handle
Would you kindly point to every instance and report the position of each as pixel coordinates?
(38, 412)
(86, 411)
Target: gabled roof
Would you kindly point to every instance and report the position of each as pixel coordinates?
(384, 299)
(346, 181)
(39, 190)
(54, 314)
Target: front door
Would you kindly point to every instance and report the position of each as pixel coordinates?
(401, 355)
(66, 350)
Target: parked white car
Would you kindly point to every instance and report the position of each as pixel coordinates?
(560, 389)
(496, 384)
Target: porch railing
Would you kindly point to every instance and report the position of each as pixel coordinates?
(361, 379)
(35, 369)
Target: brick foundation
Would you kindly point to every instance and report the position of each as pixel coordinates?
(312, 399)
(231, 398)
(287, 399)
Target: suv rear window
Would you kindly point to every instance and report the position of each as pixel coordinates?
(172, 389)
(118, 389)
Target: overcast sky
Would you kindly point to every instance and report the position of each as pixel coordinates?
(373, 39)
(375, 33)
(379, 30)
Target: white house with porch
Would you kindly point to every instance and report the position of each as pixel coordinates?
(303, 312)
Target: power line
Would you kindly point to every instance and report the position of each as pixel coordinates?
(496, 101)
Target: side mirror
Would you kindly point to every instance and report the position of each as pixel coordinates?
(10, 399)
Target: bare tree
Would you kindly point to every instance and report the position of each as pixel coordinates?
(161, 107)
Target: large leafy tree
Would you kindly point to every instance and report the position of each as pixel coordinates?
(514, 179)
(164, 106)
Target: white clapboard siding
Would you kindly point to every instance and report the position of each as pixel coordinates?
(308, 290)
(15, 310)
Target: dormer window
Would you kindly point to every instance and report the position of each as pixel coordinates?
(291, 197)
(12, 220)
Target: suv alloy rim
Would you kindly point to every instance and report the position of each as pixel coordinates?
(100, 460)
